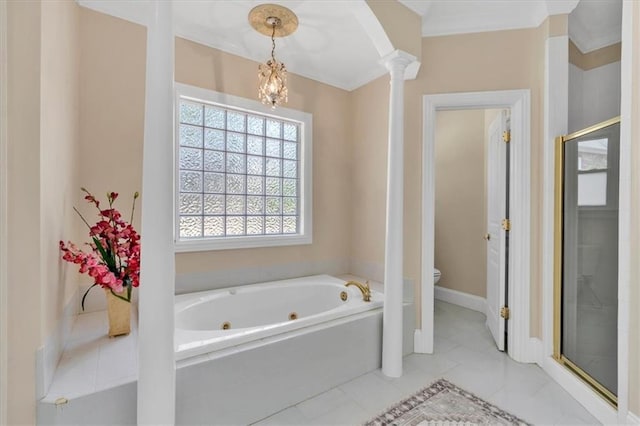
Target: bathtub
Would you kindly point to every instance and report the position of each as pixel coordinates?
(213, 320)
(264, 361)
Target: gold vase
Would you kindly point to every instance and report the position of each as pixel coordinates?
(119, 312)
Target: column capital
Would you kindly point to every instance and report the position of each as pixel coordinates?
(401, 63)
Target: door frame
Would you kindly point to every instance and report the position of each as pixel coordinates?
(521, 348)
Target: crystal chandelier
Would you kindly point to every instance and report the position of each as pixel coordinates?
(272, 76)
(275, 21)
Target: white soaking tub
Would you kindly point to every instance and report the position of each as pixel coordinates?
(209, 321)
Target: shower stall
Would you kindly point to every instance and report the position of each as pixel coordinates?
(586, 251)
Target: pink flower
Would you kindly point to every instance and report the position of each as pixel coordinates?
(114, 259)
(111, 214)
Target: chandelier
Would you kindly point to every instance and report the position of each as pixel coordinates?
(275, 21)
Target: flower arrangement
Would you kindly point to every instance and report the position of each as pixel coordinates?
(114, 259)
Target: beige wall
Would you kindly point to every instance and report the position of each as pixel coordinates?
(212, 69)
(44, 150)
(43, 54)
(23, 193)
(465, 63)
(59, 153)
(596, 58)
(460, 212)
(369, 115)
(112, 87)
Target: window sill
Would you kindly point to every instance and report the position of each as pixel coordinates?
(230, 243)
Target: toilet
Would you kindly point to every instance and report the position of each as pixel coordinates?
(436, 275)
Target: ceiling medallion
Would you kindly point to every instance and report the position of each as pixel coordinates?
(275, 21)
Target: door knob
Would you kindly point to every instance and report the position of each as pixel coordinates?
(487, 237)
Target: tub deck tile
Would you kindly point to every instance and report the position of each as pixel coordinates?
(91, 361)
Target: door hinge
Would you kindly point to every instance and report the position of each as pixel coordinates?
(506, 224)
(504, 312)
(506, 136)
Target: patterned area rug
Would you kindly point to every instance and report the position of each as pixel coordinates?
(444, 404)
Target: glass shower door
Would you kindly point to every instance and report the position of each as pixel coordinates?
(587, 180)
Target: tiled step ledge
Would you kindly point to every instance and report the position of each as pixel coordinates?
(92, 361)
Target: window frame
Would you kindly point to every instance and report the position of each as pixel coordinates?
(305, 200)
(612, 168)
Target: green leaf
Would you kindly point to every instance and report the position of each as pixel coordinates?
(121, 297)
(85, 294)
(106, 255)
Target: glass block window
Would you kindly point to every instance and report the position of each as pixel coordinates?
(238, 172)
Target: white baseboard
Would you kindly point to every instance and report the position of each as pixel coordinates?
(581, 392)
(423, 341)
(536, 351)
(633, 419)
(466, 300)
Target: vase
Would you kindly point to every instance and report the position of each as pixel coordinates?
(119, 312)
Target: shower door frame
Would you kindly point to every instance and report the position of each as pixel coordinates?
(558, 262)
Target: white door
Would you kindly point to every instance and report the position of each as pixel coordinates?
(497, 169)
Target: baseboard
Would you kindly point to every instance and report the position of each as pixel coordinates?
(581, 392)
(536, 351)
(633, 419)
(466, 300)
(48, 355)
(423, 341)
(408, 327)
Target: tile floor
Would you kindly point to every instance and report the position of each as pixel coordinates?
(466, 356)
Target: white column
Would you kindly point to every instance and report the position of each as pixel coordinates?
(629, 68)
(156, 365)
(556, 107)
(396, 63)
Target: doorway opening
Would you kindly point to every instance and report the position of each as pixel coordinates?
(471, 216)
(519, 193)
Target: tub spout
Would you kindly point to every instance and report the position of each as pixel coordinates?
(364, 288)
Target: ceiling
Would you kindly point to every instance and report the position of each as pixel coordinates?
(331, 45)
(444, 17)
(339, 42)
(592, 23)
(595, 24)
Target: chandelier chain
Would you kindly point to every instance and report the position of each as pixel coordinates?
(273, 41)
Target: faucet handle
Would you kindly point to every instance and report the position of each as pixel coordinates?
(367, 288)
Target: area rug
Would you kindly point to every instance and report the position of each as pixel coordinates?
(443, 403)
